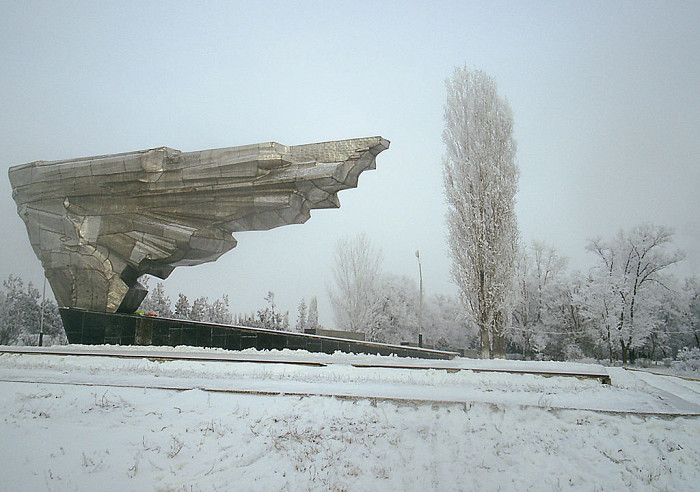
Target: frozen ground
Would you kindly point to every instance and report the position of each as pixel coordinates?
(98, 423)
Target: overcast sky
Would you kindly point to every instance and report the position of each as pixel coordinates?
(605, 96)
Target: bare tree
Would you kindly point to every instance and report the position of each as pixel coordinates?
(480, 177)
(356, 272)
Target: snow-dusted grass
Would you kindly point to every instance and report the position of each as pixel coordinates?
(501, 432)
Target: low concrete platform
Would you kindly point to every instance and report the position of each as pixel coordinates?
(95, 328)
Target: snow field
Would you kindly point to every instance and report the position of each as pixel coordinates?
(71, 437)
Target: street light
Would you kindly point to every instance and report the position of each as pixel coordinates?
(41, 320)
(420, 305)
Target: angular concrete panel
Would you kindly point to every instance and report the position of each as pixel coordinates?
(98, 223)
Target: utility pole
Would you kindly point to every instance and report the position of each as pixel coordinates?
(420, 304)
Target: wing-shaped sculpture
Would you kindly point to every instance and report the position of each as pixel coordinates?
(99, 223)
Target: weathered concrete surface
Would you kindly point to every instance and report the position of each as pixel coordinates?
(98, 223)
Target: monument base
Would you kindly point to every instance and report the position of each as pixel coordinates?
(95, 328)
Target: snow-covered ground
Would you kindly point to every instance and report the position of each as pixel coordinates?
(98, 423)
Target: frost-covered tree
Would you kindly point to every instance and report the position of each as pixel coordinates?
(692, 290)
(480, 179)
(629, 278)
(445, 325)
(573, 323)
(356, 271)
(199, 309)
(20, 314)
(182, 307)
(540, 309)
(218, 312)
(269, 317)
(156, 301)
(600, 305)
(203, 310)
(312, 320)
(301, 317)
(671, 318)
(396, 317)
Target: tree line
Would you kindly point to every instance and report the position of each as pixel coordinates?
(217, 311)
(627, 305)
(22, 320)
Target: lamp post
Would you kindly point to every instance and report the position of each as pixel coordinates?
(41, 319)
(420, 302)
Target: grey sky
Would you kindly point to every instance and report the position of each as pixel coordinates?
(605, 97)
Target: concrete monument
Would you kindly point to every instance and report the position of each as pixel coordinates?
(98, 223)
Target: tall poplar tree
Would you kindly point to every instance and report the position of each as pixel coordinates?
(481, 179)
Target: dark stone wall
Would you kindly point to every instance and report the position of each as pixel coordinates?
(94, 328)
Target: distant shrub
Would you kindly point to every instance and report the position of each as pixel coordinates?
(687, 359)
(643, 362)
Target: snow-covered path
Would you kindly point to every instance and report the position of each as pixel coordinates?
(101, 423)
(357, 376)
